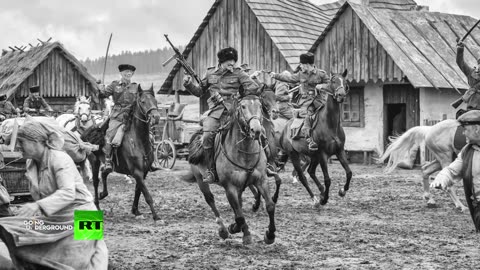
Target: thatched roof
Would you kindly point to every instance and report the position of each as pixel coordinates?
(17, 66)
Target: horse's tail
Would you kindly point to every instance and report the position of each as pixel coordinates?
(399, 148)
(195, 149)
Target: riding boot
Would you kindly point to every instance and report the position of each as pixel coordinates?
(312, 145)
(271, 171)
(210, 175)
(107, 150)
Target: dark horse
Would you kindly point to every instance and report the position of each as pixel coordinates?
(329, 134)
(135, 155)
(240, 162)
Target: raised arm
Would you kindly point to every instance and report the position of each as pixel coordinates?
(467, 70)
(287, 77)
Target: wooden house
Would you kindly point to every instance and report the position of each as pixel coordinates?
(398, 55)
(269, 35)
(59, 74)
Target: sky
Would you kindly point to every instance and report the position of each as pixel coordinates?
(85, 26)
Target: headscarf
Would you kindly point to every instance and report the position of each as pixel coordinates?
(47, 133)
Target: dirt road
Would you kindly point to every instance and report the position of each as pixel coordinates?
(382, 223)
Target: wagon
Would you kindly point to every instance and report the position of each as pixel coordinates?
(173, 135)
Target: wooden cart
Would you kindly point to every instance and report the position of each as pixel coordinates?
(173, 135)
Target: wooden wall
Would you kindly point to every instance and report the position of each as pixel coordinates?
(233, 25)
(349, 44)
(60, 82)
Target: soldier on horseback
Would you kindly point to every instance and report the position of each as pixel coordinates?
(124, 93)
(472, 95)
(6, 108)
(223, 83)
(309, 77)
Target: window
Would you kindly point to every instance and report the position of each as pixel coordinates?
(353, 108)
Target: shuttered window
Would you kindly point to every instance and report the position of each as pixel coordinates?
(353, 108)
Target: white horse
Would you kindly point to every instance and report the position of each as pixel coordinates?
(439, 140)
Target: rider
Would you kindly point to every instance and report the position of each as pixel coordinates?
(34, 102)
(223, 82)
(309, 77)
(283, 98)
(472, 95)
(6, 108)
(124, 94)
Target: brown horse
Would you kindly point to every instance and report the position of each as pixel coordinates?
(240, 162)
(135, 155)
(330, 137)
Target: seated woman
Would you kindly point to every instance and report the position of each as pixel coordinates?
(58, 190)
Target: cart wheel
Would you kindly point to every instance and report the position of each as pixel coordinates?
(166, 154)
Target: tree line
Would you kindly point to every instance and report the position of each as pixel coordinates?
(146, 62)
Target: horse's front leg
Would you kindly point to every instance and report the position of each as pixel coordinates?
(210, 199)
(323, 159)
(141, 187)
(104, 192)
(427, 170)
(95, 168)
(298, 168)
(240, 224)
(258, 198)
(311, 171)
(342, 157)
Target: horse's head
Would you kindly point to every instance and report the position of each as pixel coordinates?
(147, 104)
(82, 108)
(336, 86)
(269, 101)
(249, 115)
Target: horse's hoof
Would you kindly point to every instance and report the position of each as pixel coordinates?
(139, 217)
(324, 201)
(342, 192)
(316, 202)
(247, 239)
(268, 240)
(464, 209)
(431, 205)
(159, 222)
(103, 195)
(223, 233)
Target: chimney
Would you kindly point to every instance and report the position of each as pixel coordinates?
(422, 8)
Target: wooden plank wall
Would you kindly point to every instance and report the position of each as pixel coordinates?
(234, 25)
(349, 44)
(58, 79)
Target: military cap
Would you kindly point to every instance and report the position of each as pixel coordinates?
(307, 58)
(245, 67)
(34, 89)
(227, 54)
(123, 67)
(470, 118)
(3, 97)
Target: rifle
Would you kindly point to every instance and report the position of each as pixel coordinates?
(295, 89)
(457, 103)
(180, 59)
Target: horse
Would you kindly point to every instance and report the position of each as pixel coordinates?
(240, 161)
(330, 137)
(439, 139)
(135, 155)
(82, 118)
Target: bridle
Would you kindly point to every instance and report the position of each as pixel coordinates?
(88, 115)
(143, 114)
(335, 93)
(243, 121)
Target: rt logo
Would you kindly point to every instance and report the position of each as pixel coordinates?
(88, 225)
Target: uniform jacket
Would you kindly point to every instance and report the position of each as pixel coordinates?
(472, 96)
(35, 103)
(225, 83)
(124, 96)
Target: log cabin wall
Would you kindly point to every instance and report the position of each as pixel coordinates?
(60, 83)
(350, 45)
(233, 25)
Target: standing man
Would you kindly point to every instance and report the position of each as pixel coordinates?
(124, 93)
(6, 108)
(222, 82)
(309, 77)
(466, 166)
(34, 102)
(472, 95)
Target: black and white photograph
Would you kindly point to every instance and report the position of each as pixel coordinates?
(240, 134)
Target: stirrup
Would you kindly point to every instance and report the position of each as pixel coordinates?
(209, 177)
(271, 170)
(312, 146)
